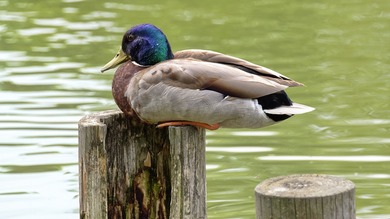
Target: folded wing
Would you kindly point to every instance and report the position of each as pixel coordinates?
(196, 74)
(215, 57)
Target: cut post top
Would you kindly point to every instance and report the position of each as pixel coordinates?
(304, 185)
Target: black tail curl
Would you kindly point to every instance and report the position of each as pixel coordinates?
(275, 100)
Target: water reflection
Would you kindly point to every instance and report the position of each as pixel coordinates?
(328, 158)
(240, 149)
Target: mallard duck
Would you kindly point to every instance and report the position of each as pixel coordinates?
(196, 87)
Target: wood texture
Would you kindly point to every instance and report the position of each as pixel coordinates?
(188, 171)
(133, 170)
(306, 196)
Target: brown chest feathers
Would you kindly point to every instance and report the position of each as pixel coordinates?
(120, 84)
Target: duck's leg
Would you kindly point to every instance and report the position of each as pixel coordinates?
(181, 123)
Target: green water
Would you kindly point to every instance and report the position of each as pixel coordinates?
(51, 53)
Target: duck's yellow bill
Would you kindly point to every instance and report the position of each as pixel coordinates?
(119, 58)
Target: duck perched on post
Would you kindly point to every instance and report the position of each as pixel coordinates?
(196, 87)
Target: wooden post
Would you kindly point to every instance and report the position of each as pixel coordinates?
(133, 170)
(306, 196)
(188, 173)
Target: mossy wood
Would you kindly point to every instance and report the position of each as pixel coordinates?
(133, 170)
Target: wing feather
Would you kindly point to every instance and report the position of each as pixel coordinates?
(211, 56)
(196, 74)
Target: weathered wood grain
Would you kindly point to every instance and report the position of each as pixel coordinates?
(304, 196)
(188, 171)
(133, 170)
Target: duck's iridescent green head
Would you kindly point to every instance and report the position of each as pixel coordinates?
(144, 44)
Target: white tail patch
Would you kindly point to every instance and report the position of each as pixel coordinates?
(295, 108)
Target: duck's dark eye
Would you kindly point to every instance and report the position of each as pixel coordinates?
(130, 37)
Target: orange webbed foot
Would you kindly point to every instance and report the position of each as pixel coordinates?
(181, 123)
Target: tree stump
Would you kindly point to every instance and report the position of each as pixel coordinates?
(306, 196)
(133, 170)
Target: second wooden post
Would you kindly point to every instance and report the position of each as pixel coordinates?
(302, 196)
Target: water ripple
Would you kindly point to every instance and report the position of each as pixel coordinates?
(373, 158)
